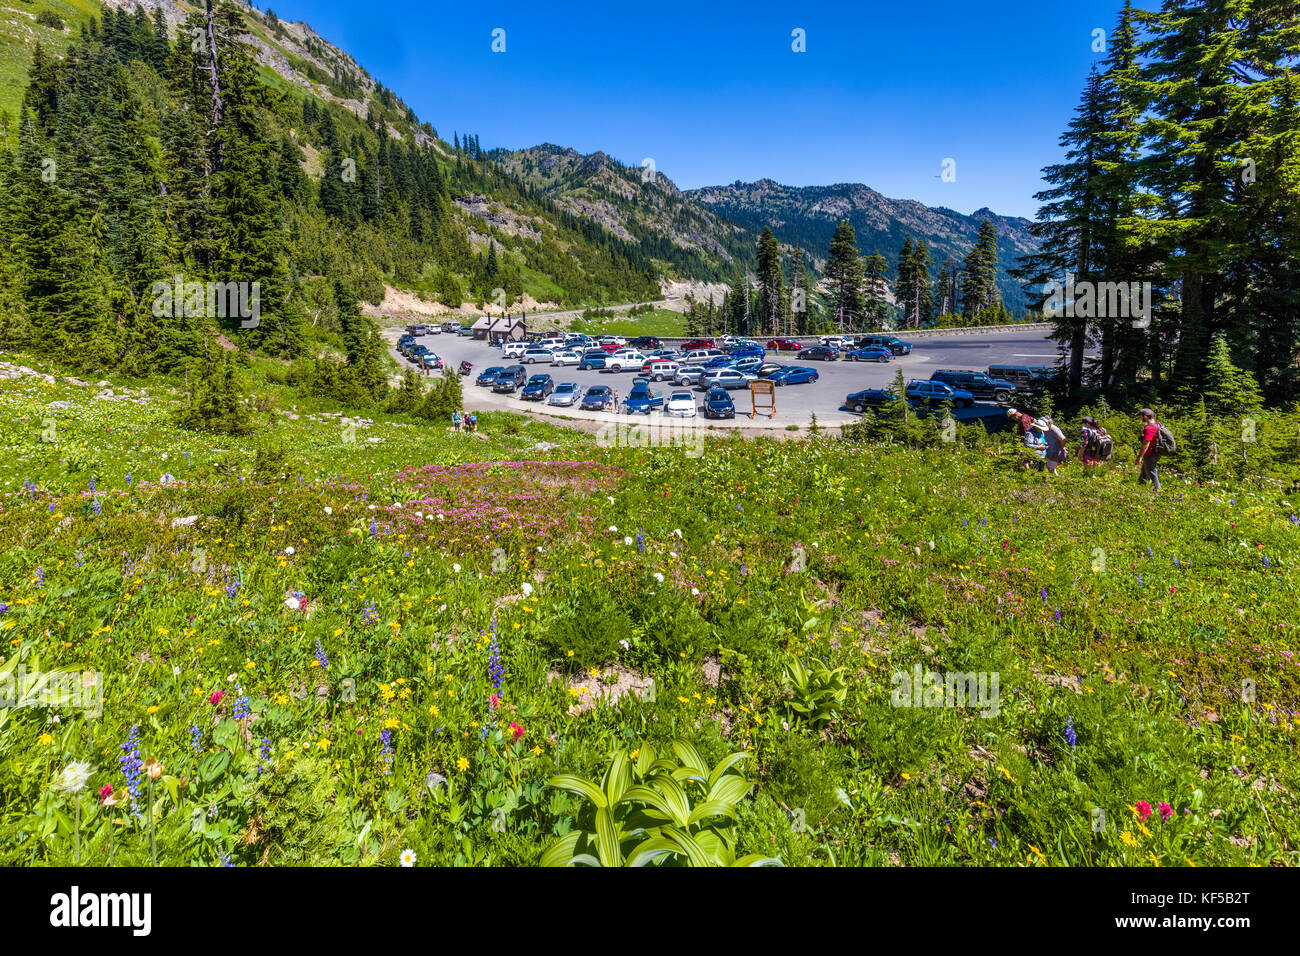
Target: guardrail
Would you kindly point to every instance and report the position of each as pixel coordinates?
(904, 334)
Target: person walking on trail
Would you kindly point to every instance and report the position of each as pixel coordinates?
(1022, 421)
(1156, 440)
(455, 420)
(1035, 441)
(1057, 451)
(473, 422)
(1097, 446)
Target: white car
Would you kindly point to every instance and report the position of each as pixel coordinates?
(841, 342)
(681, 404)
(565, 358)
(512, 350)
(551, 344)
(625, 358)
(612, 340)
(566, 393)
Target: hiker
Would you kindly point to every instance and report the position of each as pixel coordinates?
(473, 421)
(455, 420)
(1156, 440)
(1097, 446)
(1057, 450)
(1022, 421)
(1035, 441)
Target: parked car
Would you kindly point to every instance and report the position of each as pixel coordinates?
(489, 375)
(512, 350)
(929, 392)
(891, 342)
(784, 345)
(431, 359)
(869, 353)
(451, 327)
(596, 360)
(688, 375)
(672, 354)
(726, 378)
(719, 361)
(680, 404)
(535, 355)
(597, 398)
(793, 375)
(767, 368)
(869, 398)
(641, 399)
(822, 353)
(551, 342)
(566, 394)
(660, 370)
(696, 344)
(701, 356)
(509, 379)
(466, 330)
(749, 351)
(718, 404)
(838, 342)
(538, 388)
(977, 383)
(644, 343)
(1022, 375)
(616, 340)
(748, 365)
(565, 357)
(625, 359)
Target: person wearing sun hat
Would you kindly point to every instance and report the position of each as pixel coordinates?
(1022, 421)
(1057, 451)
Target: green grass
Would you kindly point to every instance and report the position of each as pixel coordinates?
(1130, 619)
(657, 322)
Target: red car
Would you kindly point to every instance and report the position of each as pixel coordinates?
(611, 349)
(698, 344)
(784, 345)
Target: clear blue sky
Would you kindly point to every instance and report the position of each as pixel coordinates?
(713, 92)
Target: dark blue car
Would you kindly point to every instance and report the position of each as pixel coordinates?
(718, 404)
(489, 376)
(749, 351)
(538, 388)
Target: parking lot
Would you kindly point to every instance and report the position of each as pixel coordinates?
(795, 404)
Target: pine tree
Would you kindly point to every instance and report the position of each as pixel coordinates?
(844, 272)
(771, 284)
(980, 273)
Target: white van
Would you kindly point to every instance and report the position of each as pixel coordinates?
(552, 342)
(513, 349)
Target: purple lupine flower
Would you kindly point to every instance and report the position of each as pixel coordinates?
(225, 861)
(97, 508)
(1266, 560)
(1069, 732)
(1150, 553)
(3, 607)
(196, 738)
(241, 705)
(386, 738)
(640, 541)
(368, 613)
(128, 479)
(264, 753)
(40, 575)
(1140, 584)
(132, 766)
(321, 657)
(1057, 614)
(92, 484)
(1042, 592)
(373, 529)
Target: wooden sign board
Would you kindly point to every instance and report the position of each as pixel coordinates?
(762, 395)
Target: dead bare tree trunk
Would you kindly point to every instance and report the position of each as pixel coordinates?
(218, 107)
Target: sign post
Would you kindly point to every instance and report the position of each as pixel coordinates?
(766, 391)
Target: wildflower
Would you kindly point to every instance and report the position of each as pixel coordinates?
(386, 751)
(462, 764)
(1043, 594)
(131, 765)
(321, 658)
(74, 777)
(153, 767)
(323, 743)
(640, 540)
(241, 705)
(408, 857)
(1166, 811)
(368, 613)
(196, 738)
(1143, 809)
(106, 795)
(516, 732)
(215, 698)
(1069, 732)
(1057, 614)
(264, 753)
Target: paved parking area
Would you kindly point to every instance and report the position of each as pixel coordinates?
(795, 404)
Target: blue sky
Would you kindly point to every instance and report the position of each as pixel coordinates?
(713, 93)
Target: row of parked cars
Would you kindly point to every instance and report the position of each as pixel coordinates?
(957, 387)
(453, 328)
(416, 352)
(599, 398)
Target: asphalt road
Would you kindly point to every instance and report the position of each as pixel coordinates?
(795, 404)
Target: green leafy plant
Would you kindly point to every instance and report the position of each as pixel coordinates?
(644, 814)
(814, 693)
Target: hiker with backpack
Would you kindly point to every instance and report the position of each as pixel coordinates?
(1156, 440)
(1097, 445)
(1055, 451)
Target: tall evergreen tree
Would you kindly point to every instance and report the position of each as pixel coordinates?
(844, 272)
